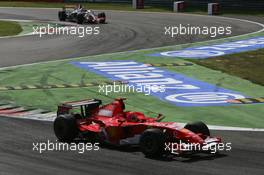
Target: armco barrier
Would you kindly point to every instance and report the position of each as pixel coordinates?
(178, 6)
(213, 9)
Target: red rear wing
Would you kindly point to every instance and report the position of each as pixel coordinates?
(73, 104)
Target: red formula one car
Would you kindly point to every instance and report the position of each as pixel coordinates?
(111, 124)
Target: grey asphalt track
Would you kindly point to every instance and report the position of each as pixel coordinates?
(17, 155)
(125, 31)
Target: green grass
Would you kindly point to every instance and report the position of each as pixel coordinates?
(128, 7)
(9, 28)
(249, 115)
(247, 65)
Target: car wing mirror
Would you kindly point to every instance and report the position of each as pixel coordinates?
(160, 117)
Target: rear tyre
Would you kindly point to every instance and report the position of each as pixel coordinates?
(62, 15)
(198, 127)
(80, 19)
(152, 142)
(65, 128)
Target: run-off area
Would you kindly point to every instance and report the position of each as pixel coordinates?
(168, 86)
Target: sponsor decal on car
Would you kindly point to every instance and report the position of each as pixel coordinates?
(180, 90)
(202, 52)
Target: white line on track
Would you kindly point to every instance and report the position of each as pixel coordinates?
(16, 20)
(229, 128)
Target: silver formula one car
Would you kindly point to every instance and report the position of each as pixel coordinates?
(80, 15)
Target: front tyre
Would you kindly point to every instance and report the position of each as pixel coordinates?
(65, 128)
(80, 19)
(198, 127)
(62, 15)
(152, 142)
